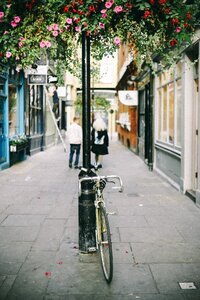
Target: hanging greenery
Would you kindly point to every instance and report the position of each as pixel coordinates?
(98, 104)
(30, 28)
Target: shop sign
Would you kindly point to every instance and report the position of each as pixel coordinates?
(52, 79)
(128, 97)
(37, 79)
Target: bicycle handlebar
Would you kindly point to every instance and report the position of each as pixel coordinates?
(98, 178)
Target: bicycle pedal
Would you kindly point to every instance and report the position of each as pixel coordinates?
(92, 249)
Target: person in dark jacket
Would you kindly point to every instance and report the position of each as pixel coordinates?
(56, 103)
(100, 141)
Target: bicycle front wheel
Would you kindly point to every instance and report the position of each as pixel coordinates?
(105, 245)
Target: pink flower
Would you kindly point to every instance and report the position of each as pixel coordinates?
(104, 16)
(48, 44)
(108, 4)
(55, 26)
(101, 25)
(178, 29)
(118, 9)
(5, 32)
(17, 19)
(117, 41)
(8, 54)
(55, 33)
(103, 11)
(78, 28)
(61, 30)
(13, 24)
(49, 28)
(20, 44)
(67, 27)
(9, 5)
(69, 21)
(21, 38)
(42, 44)
(1, 14)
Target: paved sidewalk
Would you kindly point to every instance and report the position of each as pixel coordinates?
(155, 233)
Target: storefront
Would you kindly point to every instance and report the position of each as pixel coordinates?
(145, 116)
(11, 112)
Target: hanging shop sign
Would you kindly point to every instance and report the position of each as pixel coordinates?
(52, 79)
(37, 79)
(128, 97)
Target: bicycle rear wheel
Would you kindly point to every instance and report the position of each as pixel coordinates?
(105, 245)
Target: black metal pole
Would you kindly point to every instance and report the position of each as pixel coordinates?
(87, 240)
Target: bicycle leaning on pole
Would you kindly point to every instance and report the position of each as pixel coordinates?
(103, 236)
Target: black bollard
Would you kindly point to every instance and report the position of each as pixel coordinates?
(87, 218)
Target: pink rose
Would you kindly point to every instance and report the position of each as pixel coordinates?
(69, 21)
(1, 14)
(104, 16)
(118, 9)
(17, 19)
(117, 41)
(55, 33)
(101, 25)
(78, 28)
(49, 28)
(178, 29)
(55, 26)
(108, 4)
(103, 11)
(48, 44)
(13, 24)
(20, 44)
(42, 44)
(8, 54)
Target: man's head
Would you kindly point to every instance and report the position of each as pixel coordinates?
(76, 120)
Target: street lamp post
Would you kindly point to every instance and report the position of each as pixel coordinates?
(87, 240)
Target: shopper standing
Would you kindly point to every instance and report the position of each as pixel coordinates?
(100, 141)
(74, 134)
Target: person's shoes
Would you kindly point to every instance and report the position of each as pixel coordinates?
(76, 167)
(70, 165)
(99, 166)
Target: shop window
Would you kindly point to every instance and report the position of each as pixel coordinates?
(169, 107)
(13, 127)
(36, 104)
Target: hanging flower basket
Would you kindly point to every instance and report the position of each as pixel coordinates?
(30, 28)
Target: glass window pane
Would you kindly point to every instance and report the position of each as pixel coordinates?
(171, 112)
(164, 131)
(159, 114)
(13, 130)
(178, 113)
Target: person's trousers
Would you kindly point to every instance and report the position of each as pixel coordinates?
(56, 109)
(74, 148)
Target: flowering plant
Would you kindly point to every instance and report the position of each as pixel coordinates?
(18, 139)
(30, 28)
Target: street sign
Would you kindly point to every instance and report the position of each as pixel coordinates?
(52, 79)
(37, 79)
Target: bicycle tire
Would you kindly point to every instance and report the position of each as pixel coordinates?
(105, 245)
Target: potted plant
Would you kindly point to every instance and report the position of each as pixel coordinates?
(18, 148)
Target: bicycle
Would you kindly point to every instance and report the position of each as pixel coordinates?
(102, 232)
